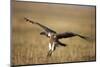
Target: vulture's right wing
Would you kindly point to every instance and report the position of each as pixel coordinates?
(44, 27)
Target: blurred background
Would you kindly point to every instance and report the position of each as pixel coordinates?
(29, 47)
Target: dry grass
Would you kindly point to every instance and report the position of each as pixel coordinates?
(28, 47)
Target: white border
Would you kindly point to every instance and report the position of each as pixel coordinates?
(5, 34)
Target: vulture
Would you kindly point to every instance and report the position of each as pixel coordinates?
(54, 36)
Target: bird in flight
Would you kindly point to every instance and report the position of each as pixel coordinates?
(54, 36)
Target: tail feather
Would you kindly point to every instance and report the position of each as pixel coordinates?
(61, 43)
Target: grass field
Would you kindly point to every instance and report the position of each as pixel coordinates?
(29, 47)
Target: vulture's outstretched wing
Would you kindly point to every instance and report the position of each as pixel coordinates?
(44, 27)
(69, 34)
(65, 35)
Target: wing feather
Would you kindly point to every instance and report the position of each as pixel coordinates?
(65, 35)
(42, 26)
